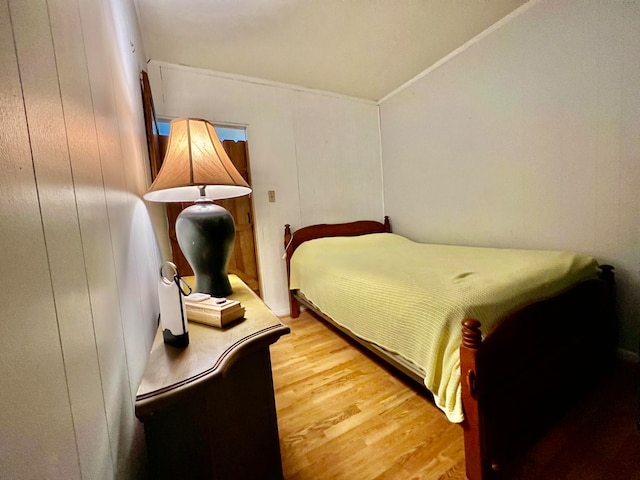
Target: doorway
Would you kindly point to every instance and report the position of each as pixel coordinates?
(243, 262)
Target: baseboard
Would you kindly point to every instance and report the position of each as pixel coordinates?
(628, 356)
(281, 313)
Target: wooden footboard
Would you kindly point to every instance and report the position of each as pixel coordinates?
(519, 378)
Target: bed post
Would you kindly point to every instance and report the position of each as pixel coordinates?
(387, 224)
(607, 274)
(294, 306)
(474, 443)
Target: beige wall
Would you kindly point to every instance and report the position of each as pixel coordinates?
(77, 250)
(528, 138)
(319, 152)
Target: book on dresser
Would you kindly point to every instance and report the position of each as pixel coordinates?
(217, 312)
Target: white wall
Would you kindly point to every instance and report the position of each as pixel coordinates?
(319, 152)
(77, 250)
(528, 138)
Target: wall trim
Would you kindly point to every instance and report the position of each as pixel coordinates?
(381, 158)
(257, 81)
(488, 31)
(282, 313)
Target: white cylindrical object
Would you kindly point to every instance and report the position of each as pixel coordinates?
(173, 316)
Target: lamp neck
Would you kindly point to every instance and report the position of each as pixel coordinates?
(203, 195)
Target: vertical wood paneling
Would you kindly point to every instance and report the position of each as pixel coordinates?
(533, 131)
(85, 381)
(75, 235)
(136, 270)
(33, 389)
(107, 285)
(132, 278)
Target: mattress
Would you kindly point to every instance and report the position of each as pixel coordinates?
(409, 298)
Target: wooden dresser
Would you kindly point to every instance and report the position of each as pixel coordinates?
(209, 410)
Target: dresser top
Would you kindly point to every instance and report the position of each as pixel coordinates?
(173, 372)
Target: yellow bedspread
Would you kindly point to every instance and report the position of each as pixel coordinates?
(409, 298)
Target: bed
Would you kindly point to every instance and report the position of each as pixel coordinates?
(503, 339)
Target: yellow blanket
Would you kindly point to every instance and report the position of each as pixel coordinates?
(409, 298)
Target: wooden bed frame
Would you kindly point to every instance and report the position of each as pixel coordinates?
(524, 374)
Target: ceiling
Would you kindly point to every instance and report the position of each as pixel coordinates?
(360, 48)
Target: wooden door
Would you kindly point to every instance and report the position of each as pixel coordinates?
(243, 262)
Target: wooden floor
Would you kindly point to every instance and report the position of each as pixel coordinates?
(344, 415)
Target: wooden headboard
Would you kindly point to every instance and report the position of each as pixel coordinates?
(294, 240)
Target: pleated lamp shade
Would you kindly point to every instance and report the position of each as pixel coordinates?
(195, 158)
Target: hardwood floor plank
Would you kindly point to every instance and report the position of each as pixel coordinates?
(342, 414)
(330, 394)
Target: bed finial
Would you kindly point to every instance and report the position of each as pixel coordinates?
(287, 235)
(387, 224)
(607, 272)
(471, 334)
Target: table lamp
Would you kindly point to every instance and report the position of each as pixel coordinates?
(197, 169)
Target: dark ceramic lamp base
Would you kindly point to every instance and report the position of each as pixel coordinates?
(205, 233)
